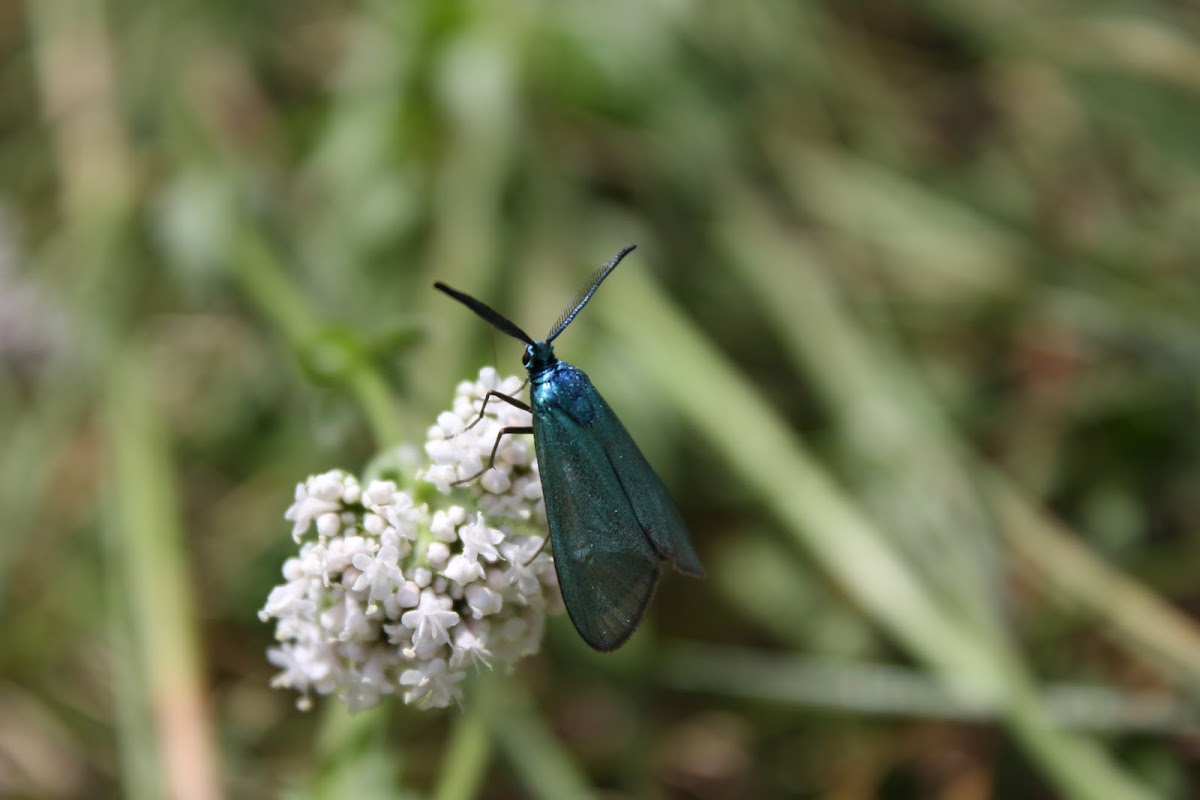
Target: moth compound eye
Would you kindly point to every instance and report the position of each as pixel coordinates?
(525, 359)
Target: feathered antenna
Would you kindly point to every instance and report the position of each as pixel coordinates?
(586, 293)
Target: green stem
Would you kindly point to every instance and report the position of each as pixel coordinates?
(152, 571)
(264, 280)
(543, 764)
(354, 759)
(467, 757)
(374, 396)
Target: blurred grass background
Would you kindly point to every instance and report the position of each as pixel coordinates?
(911, 333)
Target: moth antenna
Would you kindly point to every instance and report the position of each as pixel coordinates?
(587, 291)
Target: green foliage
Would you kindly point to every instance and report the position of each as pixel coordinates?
(911, 334)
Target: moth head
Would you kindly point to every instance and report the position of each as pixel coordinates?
(538, 356)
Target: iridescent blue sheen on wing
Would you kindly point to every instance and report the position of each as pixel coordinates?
(611, 519)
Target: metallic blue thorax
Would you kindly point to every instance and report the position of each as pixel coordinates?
(557, 384)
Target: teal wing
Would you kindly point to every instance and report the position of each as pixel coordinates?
(656, 512)
(606, 566)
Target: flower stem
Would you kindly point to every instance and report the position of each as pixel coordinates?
(467, 759)
(264, 281)
(540, 759)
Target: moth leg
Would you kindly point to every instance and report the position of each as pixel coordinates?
(545, 542)
(492, 458)
(512, 401)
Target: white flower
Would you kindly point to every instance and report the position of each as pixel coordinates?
(308, 507)
(438, 554)
(450, 423)
(329, 525)
(389, 596)
(445, 523)
(347, 621)
(525, 566)
(483, 601)
(374, 524)
(288, 600)
(434, 685)
(380, 574)
(304, 665)
(366, 679)
(401, 513)
(330, 486)
(479, 540)
(463, 570)
(442, 476)
(517, 637)
(398, 634)
(470, 649)
(495, 481)
(430, 621)
(408, 595)
(379, 493)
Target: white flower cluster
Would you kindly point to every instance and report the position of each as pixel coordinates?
(389, 595)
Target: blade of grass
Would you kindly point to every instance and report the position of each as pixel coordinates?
(539, 758)
(139, 757)
(855, 372)
(1150, 626)
(885, 689)
(905, 464)
(152, 571)
(354, 758)
(466, 759)
(74, 62)
(758, 445)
